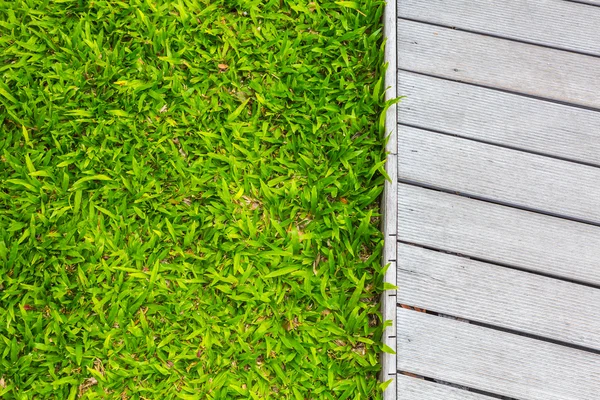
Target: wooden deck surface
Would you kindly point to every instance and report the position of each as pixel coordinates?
(497, 187)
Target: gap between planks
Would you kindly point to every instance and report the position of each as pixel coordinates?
(493, 361)
(493, 295)
(501, 175)
(542, 22)
(503, 235)
(501, 118)
(492, 62)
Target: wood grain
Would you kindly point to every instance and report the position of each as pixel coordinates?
(493, 361)
(498, 63)
(418, 389)
(389, 201)
(499, 296)
(499, 234)
(498, 174)
(560, 24)
(498, 117)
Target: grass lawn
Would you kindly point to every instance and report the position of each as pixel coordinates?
(188, 199)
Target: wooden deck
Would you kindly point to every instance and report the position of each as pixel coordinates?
(492, 220)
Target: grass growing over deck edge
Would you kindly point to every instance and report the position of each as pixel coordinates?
(188, 199)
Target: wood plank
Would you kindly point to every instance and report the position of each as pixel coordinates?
(389, 201)
(390, 56)
(559, 24)
(390, 223)
(493, 361)
(499, 63)
(388, 337)
(418, 389)
(499, 234)
(499, 117)
(499, 174)
(499, 296)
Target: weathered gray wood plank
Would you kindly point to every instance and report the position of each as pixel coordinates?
(560, 24)
(493, 361)
(388, 361)
(389, 202)
(499, 117)
(499, 174)
(500, 234)
(499, 63)
(418, 389)
(499, 296)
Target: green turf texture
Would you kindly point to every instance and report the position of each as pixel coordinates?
(189, 199)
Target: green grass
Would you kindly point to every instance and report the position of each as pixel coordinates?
(188, 199)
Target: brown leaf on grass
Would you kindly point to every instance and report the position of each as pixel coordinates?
(291, 325)
(98, 366)
(360, 349)
(253, 203)
(316, 264)
(223, 67)
(88, 383)
(2, 383)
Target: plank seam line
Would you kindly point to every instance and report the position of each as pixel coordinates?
(500, 264)
(479, 85)
(497, 36)
(497, 328)
(583, 2)
(501, 145)
(455, 385)
(497, 202)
